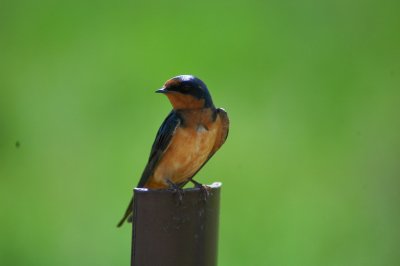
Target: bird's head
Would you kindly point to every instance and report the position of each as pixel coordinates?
(187, 92)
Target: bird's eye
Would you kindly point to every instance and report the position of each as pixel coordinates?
(184, 89)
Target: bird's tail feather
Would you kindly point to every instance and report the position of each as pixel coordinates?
(127, 214)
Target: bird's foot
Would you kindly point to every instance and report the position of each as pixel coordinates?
(176, 190)
(205, 190)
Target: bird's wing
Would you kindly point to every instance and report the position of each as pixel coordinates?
(223, 133)
(160, 145)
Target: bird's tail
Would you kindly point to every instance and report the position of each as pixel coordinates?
(127, 214)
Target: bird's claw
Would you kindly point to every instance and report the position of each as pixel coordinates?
(177, 190)
(205, 190)
(180, 193)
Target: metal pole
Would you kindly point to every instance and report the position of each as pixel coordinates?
(167, 232)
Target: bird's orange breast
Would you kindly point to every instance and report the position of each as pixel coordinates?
(190, 147)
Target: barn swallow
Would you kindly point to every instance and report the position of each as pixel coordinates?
(190, 135)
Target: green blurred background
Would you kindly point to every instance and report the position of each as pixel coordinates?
(310, 169)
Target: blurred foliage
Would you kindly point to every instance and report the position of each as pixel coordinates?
(311, 167)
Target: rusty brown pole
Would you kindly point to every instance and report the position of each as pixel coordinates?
(169, 232)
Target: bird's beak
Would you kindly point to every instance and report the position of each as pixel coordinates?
(162, 90)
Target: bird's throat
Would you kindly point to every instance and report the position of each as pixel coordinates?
(182, 101)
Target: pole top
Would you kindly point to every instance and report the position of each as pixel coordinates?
(213, 186)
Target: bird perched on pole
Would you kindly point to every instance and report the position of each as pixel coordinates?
(190, 135)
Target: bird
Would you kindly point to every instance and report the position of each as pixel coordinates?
(190, 135)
